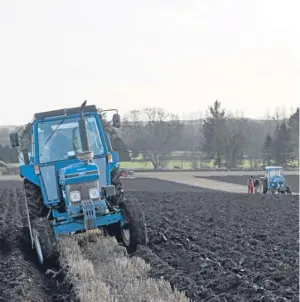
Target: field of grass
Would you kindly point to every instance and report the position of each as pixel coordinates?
(183, 164)
(170, 164)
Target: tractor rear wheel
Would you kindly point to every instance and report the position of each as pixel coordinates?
(34, 198)
(134, 232)
(44, 240)
(116, 181)
(264, 186)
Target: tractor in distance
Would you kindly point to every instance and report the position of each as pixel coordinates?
(274, 181)
(72, 181)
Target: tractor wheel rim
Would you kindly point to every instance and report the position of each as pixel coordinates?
(126, 236)
(38, 248)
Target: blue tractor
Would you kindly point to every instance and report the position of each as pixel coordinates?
(274, 181)
(72, 181)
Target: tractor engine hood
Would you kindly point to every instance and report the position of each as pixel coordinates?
(78, 173)
(278, 181)
(82, 191)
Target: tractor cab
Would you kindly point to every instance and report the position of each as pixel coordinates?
(274, 181)
(59, 145)
(274, 174)
(59, 141)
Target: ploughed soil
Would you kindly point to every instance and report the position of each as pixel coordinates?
(292, 180)
(158, 185)
(215, 246)
(21, 278)
(222, 247)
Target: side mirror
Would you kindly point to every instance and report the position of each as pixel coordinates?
(116, 121)
(14, 140)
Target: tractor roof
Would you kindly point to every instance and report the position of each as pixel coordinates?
(273, 167)
(63, 112)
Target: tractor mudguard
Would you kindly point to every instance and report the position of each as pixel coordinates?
(28, 172)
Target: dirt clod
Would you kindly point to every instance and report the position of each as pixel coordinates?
(240, 247)
(214, 246)
(21, 279)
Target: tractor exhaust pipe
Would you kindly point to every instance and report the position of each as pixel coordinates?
(86, 155)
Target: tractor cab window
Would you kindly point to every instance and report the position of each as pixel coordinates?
(275, 172)
(60, 139)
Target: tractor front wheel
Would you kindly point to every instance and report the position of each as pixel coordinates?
(44, 241)
(134, 232)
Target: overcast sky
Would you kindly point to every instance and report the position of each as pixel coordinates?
(179, 55)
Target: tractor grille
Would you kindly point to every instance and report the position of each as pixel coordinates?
(83, 188)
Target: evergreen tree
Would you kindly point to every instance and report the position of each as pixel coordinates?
(282, 145)
(214, 130)
(267, 150)
(294, 134)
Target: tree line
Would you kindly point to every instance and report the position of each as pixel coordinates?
(282, 145)
(154, 135)
(227, 141)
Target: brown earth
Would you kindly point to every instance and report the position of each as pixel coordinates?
(21, 278)
(215, 246)
(221, 246)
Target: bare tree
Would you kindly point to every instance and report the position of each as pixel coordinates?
(157, 134)
(235, 141)
(194, 156)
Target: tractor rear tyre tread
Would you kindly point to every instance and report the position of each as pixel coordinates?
(46, 238)
(34, 199)
(136, 223)
(116, 181)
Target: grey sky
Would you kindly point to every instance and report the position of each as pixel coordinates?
(179, 55)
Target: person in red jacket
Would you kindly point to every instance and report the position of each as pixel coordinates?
(250, 183)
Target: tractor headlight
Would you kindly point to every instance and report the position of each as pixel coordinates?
(86, 190)
(75, 196)
(94, 193)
